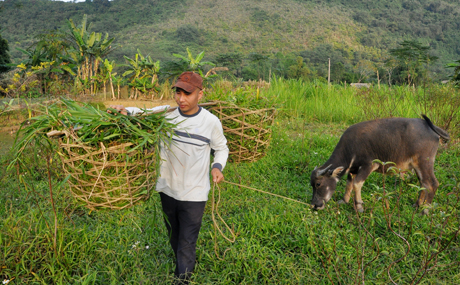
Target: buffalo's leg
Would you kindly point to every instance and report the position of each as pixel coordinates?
(425, 174)
(358, 200)
(358, 181)
(348, 189)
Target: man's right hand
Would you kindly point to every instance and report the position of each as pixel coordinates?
(120, 108)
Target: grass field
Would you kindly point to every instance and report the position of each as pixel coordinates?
(278, 241)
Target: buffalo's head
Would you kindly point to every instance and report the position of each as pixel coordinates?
(324, 181)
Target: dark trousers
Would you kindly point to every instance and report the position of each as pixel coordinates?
(183, 222)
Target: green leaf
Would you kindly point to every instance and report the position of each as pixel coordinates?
(199, 56)
(180, 56)
(57, 70)
(128, 72)
(92, 39)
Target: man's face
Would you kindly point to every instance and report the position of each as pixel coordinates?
(188, 102)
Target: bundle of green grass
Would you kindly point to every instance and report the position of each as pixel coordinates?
(111, 160)
(246, 119)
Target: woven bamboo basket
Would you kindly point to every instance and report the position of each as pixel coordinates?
(108, 176)
(247, 131)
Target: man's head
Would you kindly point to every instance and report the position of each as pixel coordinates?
(189, 90)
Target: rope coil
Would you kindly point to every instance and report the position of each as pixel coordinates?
(214, 208)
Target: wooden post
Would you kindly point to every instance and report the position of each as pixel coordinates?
(329, 73)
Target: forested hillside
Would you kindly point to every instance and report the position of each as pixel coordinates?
(254, 38)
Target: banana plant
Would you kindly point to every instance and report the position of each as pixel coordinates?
(144, 85)
(89, 48)
(134, 70)
(194, 63)
(141, 68)
(118, 81)
(108, 66)
(34, 57)
(153, 70)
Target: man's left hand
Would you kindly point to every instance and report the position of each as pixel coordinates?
(120, 108)
(217, 175)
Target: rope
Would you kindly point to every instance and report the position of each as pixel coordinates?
(214, 208)
(261, 191)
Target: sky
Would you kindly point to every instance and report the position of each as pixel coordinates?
(72, 0)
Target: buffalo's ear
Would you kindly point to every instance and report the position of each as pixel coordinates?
(335, 172)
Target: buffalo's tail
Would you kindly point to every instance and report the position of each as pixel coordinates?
(442, 133)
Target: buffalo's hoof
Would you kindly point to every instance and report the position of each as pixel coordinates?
(425, 212)
(341, 202)
(360, 208)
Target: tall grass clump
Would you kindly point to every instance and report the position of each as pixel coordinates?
(397, 101)
(315, 100)
(441, 103)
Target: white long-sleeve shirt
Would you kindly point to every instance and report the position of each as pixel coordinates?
(184, 171)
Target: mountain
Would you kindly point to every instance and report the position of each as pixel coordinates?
(347, 31)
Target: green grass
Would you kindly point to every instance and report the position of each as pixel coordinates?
(278, 241)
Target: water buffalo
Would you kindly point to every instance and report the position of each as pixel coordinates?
(409, 143)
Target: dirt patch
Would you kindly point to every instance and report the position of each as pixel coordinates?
(12, 129)
(10, 123)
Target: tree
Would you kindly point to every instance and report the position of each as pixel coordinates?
(389, 66)
(258, 60)
(365, 68)
(456, 76)
(4, 55)
(231, 60)
(412, 55)
(299, 70)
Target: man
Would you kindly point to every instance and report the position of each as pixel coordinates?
(184, 173)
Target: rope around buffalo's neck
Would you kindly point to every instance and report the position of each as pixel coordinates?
(214, 208)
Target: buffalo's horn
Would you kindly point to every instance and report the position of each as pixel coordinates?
(321, 172)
